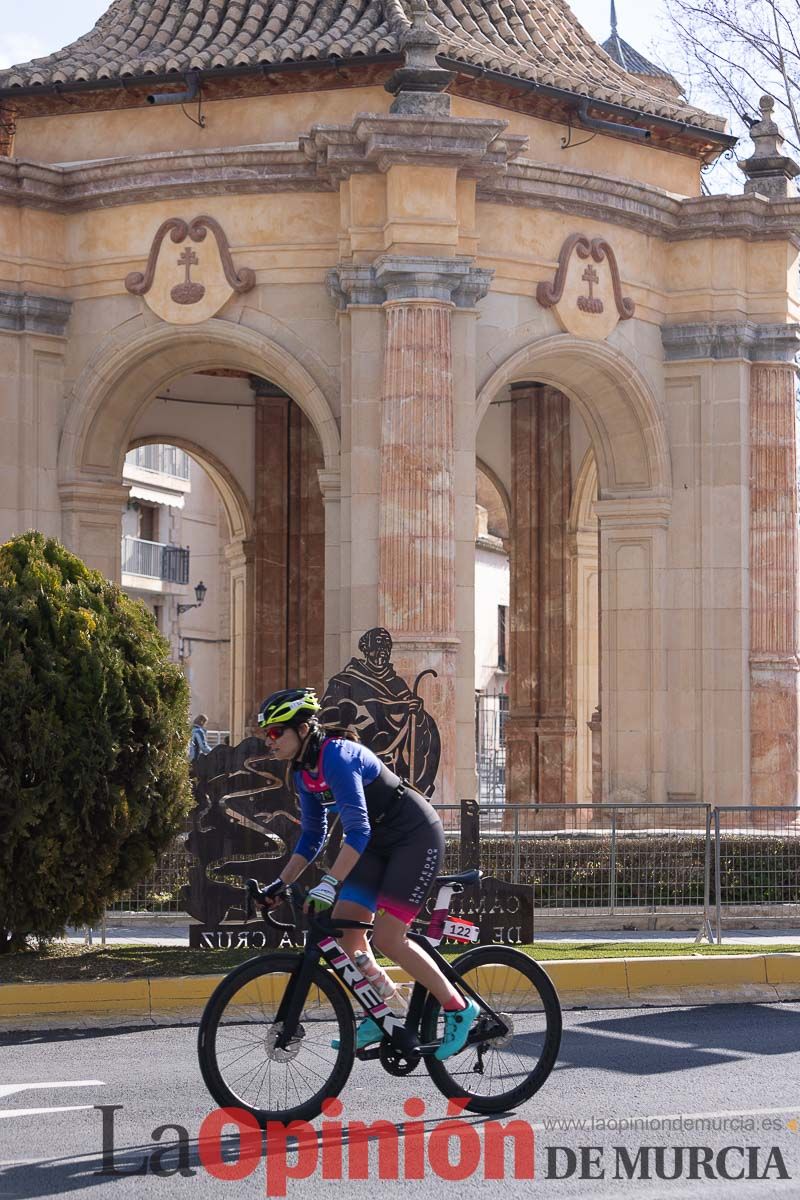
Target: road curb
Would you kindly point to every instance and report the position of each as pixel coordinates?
(581, 983)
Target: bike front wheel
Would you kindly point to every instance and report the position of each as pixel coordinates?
(496, 1074)
(242, 1065)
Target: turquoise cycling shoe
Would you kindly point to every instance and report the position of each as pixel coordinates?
(457, 1025)
(367, 1034)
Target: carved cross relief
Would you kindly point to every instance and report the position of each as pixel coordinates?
(188, 299)
(594, 315)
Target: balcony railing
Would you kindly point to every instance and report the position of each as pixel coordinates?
(166, 460)
(154, 560)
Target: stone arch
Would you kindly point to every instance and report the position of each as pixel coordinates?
(631, 449)
(584, 495)
(626, 427)
(123, 374)
(229, 490)
(498, 484)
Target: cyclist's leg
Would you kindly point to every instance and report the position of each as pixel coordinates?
(358, 899)
(406, 881)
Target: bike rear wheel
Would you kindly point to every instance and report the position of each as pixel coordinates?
(495, 1075)
(240, 1063)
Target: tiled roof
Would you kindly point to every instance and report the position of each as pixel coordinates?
(537, 40)
(631, 60)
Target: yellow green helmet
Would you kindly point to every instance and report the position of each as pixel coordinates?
(288, 706)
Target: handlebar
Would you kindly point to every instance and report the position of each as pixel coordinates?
(295, 897)
(292, 894)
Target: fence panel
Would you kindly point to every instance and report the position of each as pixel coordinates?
(160, 892)
(608, 859)
(758, 861)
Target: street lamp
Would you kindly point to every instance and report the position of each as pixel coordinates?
(200, 595)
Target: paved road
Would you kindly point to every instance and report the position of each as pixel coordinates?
(739, 1064)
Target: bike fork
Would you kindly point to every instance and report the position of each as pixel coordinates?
(294, 998)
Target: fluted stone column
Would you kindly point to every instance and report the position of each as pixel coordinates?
(540, 729)
(774, 565)
(403, 464)
(417, 536)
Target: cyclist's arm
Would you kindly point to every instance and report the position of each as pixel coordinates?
(314, 825)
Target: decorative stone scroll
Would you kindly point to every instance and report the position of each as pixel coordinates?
(192, 287)
(588, 303)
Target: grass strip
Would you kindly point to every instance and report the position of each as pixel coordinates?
(62, 962)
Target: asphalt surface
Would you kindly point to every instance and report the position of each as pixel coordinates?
(710, 1077)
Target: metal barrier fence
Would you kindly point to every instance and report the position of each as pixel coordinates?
(616, 859)
(160, 892)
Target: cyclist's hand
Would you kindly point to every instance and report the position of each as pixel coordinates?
(323, 896)
(270, 897)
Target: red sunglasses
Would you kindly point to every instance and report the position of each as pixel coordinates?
(277, 731)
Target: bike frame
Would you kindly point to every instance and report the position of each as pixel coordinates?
(403, 1031)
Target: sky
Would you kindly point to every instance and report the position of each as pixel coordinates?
(31, 30)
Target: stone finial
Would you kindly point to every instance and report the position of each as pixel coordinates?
(419, 85)
(769, 171)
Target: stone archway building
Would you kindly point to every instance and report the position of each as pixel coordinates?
(379, 215)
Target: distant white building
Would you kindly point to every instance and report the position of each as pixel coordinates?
(173, 537)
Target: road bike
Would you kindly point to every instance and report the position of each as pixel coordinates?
(277, 1037)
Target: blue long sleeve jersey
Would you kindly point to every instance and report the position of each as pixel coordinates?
(346, 768)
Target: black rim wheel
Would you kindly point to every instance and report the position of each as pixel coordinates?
(498, 1074)
(243, 1067)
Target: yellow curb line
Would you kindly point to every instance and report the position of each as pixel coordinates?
(579, 980)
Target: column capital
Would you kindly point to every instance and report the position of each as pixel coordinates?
(241, 552)
(93, 494)
(744, 339)
(633, 512)
(355, 286)
(395, 277)
(23, 312)
(330, 483)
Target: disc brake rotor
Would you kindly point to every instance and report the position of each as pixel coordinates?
(499, 1043)
(279, 1053)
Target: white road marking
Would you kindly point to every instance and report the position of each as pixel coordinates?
(38, 1112)
(10, 1089)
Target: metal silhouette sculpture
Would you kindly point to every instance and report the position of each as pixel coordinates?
(369, 697)
(247, 820)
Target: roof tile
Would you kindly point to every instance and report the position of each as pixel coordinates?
(538, 40)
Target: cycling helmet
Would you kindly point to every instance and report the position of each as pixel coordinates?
(288, 706)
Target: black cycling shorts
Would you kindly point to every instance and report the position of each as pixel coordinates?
(395, 872)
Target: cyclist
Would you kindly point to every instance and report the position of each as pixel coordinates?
(391, 851)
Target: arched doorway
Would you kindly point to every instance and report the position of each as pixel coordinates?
(541, 386)
(223, 393)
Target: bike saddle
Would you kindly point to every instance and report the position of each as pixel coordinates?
(465, 878)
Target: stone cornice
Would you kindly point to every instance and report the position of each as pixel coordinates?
(476, 148)
(329, 153)
(743, 340)
(22, 312)
(639, 206)
(242, 170)
(393, 277)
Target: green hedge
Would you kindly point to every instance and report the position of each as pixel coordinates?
(651, 870)
(93, 767)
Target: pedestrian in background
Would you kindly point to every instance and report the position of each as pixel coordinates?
(198, 742)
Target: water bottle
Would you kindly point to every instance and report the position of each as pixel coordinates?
(380, 981)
